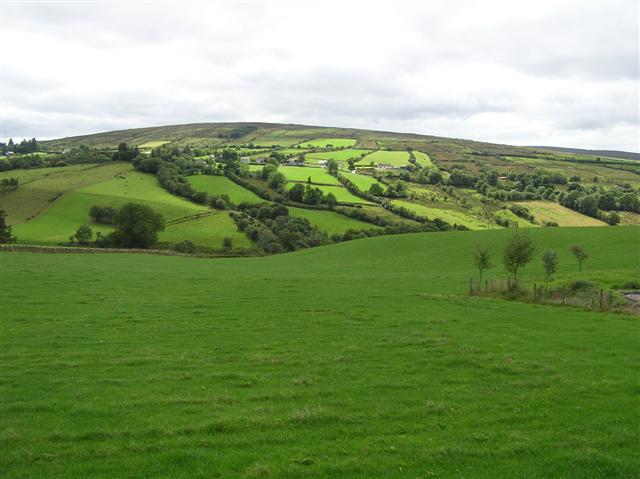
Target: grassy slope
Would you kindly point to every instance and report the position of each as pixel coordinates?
(346, 361)
(221, 185)
(394, 158)
(206, 231)
(363, 182)
(549, 211)
(40, 187)
(338, 155)
(341, 193)
(61, 219)
(302, 173)
(330, 221)
(422, 159)
(449, 215)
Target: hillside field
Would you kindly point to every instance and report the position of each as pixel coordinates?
(359, 359)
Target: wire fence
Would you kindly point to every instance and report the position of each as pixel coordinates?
(596, 299)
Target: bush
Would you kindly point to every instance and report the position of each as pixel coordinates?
(185, 246)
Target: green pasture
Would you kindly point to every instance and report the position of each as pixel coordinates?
(422, 159)
(549, 211)
(363, 182)
(513, 218)
(221, 185)
(330, 221)
(361, 359)
(393, 158)
(341, 156)
(341, 193)
(208, 231)
(303, 173)
(40, 188)
(451, 216)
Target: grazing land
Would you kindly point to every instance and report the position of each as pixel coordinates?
(549, 211)
(393, 158)
(449, 215)
(318, 176)
(220, 185)
(353, 360)
(342, 194)
(329, 221)
(363, 182)
(341, 156)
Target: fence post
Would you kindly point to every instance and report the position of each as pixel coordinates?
(535, 293)
(471, 286)
(601, 297)
(610, 300)
(486, 286)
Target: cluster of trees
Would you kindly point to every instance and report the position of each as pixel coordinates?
(136, 226)
(6, 235)
(522, 212)
(272, 229)
(8, 184)
(519, 251)
(125, 153)
(310, 195)
(25, 146)
(594, 201)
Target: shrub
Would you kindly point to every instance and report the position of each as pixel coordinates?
(185, 246)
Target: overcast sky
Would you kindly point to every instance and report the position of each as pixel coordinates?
(558, 73)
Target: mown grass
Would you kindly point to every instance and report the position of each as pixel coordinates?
(550, 211)
(393, 158)
(221, 185)
(329, 221)
(363, 182)
(422, 158)
(210, 231)
(303, 173)
(362, 359)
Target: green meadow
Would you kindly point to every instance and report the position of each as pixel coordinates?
(339, 155)
(549, 211)
(302, 173)
(221, 185)
(330, 221)
(393, 158)
(422, 159)
(361, 359)
(363, 182)
(340, 192)
(451, 216)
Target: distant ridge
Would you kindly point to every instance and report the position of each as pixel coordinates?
(624, 155)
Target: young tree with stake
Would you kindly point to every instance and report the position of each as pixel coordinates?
(482, 260)
(518, 252)
(580, 253)
(550, 261)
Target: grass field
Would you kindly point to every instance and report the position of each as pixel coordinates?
(362, 359)
(510, 216)
(207, 231)
(449, 215)
(221, 185)
(363, 182)
(62, 218)
(422, 159)
(329, 142)
(302, 173)
(393, 158)
(341, 156)
(153, 144)
(330, 221)
(629, 218)
(39, 188)
(341, 193)
(549, 211)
